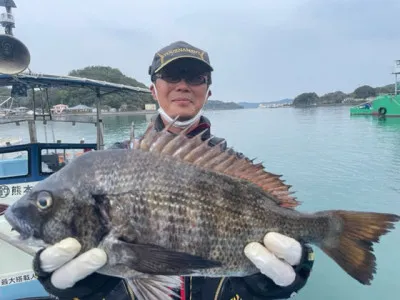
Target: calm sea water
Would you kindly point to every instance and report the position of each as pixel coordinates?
(332, 160)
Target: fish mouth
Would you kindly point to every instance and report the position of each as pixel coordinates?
(24, 229)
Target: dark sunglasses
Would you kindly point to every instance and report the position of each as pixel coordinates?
(190, 78)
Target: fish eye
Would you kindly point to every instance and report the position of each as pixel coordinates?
(44, 200)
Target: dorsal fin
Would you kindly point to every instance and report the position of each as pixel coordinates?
(198, 152)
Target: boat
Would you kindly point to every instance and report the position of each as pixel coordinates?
(25, 163)
(384, 105)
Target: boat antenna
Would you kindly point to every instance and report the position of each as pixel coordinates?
(395, 72)
(14, 55)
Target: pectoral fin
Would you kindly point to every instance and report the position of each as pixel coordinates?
(152, 259)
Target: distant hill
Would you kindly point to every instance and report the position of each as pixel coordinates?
(360, 94)
(216, 105)
(248, 104)
(255, 105)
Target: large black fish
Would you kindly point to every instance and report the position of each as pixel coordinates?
(176, 206)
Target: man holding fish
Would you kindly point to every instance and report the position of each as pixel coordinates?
(181, 80)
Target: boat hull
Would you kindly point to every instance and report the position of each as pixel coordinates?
(381, 106)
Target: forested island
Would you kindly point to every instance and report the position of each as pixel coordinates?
(220, 105)
(360, 94)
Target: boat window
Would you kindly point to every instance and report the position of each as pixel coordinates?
(14, 164)
(53, 160)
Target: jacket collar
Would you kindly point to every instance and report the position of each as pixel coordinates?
(204, 124)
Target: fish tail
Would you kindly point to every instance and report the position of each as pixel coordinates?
(350, 244)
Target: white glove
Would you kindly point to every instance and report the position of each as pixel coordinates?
(276, 259)
(67, 268)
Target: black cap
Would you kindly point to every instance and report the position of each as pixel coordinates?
(176, 51)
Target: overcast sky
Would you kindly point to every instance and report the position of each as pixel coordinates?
(261, 50)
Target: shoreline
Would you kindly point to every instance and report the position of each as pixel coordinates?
(116, 113)
(149, 112)
(152, 112)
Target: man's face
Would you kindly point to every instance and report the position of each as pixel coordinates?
(182, 88)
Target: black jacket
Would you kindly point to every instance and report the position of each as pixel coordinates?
(254, 287)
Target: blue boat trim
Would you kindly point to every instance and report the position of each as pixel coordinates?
(35, 159)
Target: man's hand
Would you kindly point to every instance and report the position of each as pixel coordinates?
(276, 258)
(67, 269)
(67, 275)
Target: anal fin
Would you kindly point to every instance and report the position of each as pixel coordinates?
(155, 287)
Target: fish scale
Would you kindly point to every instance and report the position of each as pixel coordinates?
(176, 206)
(207, 210)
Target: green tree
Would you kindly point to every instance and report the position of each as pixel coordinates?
(387, 89)
(364, 91)
(333, 98)
(305, 99)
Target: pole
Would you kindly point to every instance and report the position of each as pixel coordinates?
(32, 131)
(8, 27)
(99, 122)
(33, 103)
